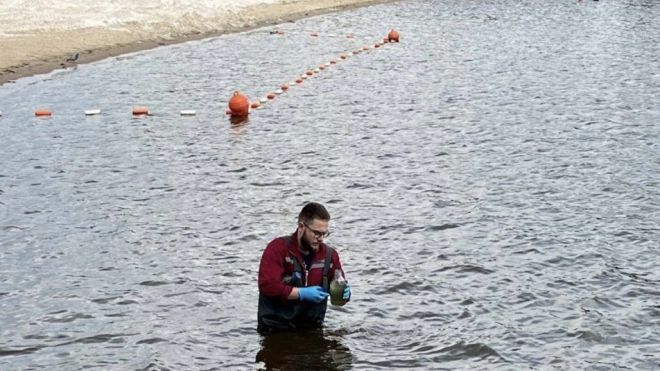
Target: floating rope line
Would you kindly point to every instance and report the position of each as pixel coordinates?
(239, 103)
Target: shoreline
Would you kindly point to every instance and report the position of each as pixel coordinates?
(27, 58)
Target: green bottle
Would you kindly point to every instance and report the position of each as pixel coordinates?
(337, 289)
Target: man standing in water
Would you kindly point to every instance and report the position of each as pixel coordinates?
(295, 273)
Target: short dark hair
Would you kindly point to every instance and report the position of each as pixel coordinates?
(313, 210)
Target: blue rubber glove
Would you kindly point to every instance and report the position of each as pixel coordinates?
(347, 291)
(312, 293)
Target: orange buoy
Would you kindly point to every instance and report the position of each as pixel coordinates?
(343, 56)
(299, 80)
(376, 45)
(239, 104)
(314, 34)
(280, 32)
(140, 110)
(365, 48)
(321, 68)
(349, 36)
(255, 105)
(385, 39)
(284, 87)
(43, 112)
(332, 61)
(270, 96)
(309, 73)
(393, 36)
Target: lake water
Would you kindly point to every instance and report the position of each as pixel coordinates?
(493, 181)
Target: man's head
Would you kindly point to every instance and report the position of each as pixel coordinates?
(312, 226)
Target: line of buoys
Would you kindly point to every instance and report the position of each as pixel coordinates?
(239, 103)
(96, 112)
(313, 34)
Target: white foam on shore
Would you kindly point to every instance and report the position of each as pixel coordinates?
(27, 17)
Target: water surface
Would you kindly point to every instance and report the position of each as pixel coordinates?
(493, 182)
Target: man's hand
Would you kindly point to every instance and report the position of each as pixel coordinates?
(312, 293)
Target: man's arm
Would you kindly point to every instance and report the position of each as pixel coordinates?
(271, 270)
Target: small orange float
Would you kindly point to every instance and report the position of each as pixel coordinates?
(270, 96)
(321, 68)
(255, 105)
(239, 104)
(349, 36)
(376, 45)
(299, 80)
(43, 112)
(314, 34)
(140, 111)
(393, 36)
(332, 61)
(284, 87)
(343, 56)
(309, 73)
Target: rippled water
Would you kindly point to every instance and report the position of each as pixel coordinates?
(493, 181)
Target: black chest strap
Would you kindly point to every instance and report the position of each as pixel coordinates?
(326, 263)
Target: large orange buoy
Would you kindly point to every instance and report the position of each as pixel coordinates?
(239, 104)
(43, 112)
(393, 36)
(140, 111)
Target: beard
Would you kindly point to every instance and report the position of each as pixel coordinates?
(305, 245)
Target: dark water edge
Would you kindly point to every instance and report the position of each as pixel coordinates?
(493, 182)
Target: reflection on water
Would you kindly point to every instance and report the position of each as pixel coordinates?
(312, 350)
(238, 121)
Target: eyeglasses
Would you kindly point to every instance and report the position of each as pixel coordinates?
(317, 234)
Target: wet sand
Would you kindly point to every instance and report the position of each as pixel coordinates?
(45, 52)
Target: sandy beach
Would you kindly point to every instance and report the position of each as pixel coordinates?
(36, 50)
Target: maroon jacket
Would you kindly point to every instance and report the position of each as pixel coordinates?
(276, 312)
